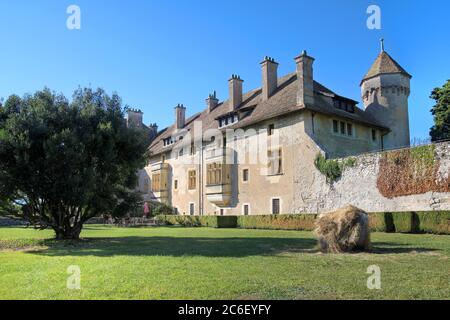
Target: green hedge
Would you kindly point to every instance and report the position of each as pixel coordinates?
(278, 222)
(437, 222)
(199, 221)
(405, 222)
(434, 222)
(381, 222)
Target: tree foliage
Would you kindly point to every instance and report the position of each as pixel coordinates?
(62, 163)
(441, 113)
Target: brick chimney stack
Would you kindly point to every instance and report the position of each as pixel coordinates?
(269, 77)
(180, 116)
(235, 91)
(212, 101)
(305, 90)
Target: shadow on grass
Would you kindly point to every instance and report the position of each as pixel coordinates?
(199, 246)
(176, 246)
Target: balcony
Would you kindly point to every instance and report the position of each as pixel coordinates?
(218, 188)
(160, 181)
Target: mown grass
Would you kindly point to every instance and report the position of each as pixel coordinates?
(204, 263)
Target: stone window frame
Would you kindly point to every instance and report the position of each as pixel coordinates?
(192, 179)
(280, 205)
(243, 175)
(248, 210)
(272, 158)
(175, 184)
(191, 206)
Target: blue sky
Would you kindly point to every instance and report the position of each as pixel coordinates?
(156, 54)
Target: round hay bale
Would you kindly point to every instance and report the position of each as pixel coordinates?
(344, 230)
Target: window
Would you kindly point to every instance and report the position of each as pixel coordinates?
(228, 120)
(191, 208)
(245, 175)
(146, 185)
(168, 141)
(192, 151)
(374, 135)
(175, 184)
(349, 129)
(335, 126)
(270, 129)
(221, 212)
(246, 209)
(342, 127)
(156, 182)
(275, 165)
(214, 174)
(192, 178)
(276, 206)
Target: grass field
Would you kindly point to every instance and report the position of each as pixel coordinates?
(203, 263)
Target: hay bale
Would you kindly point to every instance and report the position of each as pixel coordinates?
(344, 230)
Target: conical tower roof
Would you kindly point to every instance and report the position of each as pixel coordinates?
(384, 64)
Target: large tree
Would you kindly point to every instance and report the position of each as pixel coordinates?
(62, 163)
(441, 113)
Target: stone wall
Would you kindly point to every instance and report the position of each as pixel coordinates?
(358, 186)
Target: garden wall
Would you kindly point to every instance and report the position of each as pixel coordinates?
(416, 179)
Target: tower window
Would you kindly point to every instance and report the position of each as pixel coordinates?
(245, 175)
(349, 129)
(335, 126)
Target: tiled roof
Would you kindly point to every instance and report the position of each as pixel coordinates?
(384, 64)
(283, 101)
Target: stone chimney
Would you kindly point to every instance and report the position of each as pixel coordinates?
(269, 77)
(235, 91)
(180, 116)
(134, 118)
(212, 102)
(305, 89)
(153, 131)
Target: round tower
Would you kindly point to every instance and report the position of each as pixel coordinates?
(385, 90)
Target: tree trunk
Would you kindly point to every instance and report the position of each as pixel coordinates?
(71, 233)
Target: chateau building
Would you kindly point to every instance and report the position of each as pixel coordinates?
(254, 152)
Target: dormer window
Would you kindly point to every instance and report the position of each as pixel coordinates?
(168, 141)
(347, 106)
(228, 120)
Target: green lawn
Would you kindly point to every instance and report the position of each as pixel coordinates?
(203, 263)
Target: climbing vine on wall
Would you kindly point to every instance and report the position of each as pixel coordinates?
(410, 171)
(332, 169)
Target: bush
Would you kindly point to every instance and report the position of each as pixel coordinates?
(278, 222)
(381, 222)
(434, 222)
(199, 221)
(405, 222)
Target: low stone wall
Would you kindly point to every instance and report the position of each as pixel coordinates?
(359, 186)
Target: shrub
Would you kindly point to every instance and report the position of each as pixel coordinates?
(381, 222)
(278, 222)
(405, 222)
(434, 222)
(199, 221)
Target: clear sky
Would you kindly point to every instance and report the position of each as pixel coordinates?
(156, 54)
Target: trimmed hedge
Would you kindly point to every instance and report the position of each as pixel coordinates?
(437, 222)
(278, 222)
(199, 221)
(405, 222)
(434, 222)
(381, 222)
